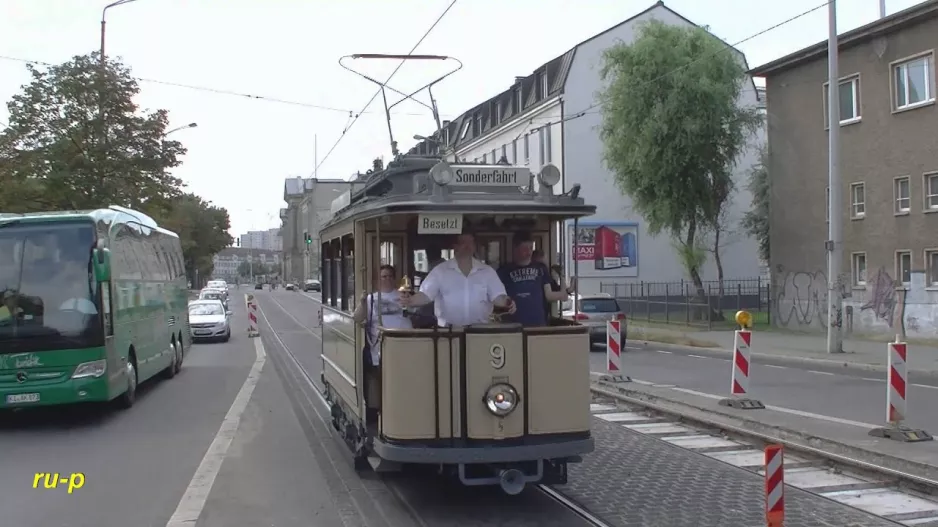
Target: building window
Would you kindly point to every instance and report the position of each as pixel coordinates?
(904, 266)
(514, 152)
(547, 143)
(527, 149)
(541, 86)
(498, 112)
(901, 191)
(519, 102)
(931, 266)
(858, 269)
(857, 200)
(465, 130)
(540, 146)
(914, 81)
(478, 124)
(849, 101)
(931, 191)
(827, 204)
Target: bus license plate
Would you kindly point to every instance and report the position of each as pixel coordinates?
(22, 398)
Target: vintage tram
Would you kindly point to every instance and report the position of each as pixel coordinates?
(494, 404)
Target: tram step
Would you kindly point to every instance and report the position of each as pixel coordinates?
(383, 465)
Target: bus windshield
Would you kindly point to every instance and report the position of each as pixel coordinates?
(48, 294)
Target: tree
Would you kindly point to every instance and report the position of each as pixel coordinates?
(202, 229)
(77, 140)
(756, 221)
(258, 269)
(672, 130)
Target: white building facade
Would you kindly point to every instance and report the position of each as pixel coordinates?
(552, 116)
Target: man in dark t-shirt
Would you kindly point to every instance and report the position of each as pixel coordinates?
(528, 283)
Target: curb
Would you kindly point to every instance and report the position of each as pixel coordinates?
(893, 466)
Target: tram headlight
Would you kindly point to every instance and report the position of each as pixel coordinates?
(442, 173)
(501, 399)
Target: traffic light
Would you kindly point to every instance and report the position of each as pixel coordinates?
(238, 242)
(308, 238)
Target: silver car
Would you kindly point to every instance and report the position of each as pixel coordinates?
(594, 311)
(209, 320)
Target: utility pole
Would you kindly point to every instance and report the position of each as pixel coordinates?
(882, 8)
(834, 246)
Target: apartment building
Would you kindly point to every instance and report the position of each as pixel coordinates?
(888, 171)
(552, 116)
(269, 240)
(229, 259)
(308, 208)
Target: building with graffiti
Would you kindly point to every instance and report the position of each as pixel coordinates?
(889, 173)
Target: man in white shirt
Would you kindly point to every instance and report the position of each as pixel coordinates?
(463, 289)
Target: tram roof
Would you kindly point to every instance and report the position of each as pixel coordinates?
(405, 186)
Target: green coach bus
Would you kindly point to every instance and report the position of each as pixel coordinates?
(92, 303)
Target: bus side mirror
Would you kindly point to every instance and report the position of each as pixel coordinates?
(102, 264)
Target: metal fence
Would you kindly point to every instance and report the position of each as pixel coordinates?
(681, 302)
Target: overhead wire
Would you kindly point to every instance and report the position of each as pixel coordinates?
(378, 92)
(217, 91)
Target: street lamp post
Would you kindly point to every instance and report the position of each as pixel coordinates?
(190, 125)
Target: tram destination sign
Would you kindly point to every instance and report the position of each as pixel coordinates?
(439, 224)
(490, 176)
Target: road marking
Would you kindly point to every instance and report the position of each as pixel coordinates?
(820, 372)
(662, 351)
(870, 379)
(193, 500)
(774, 366)
(926, 386)
(699, 357)
(785, 410)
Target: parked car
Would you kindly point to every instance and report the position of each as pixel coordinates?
(594, 311)
(217, 284)
(209, 320)
(312, 285)
(290, 287)
(214, 294)
(258, 286)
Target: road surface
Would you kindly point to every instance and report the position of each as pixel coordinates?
(241, 438)
(843, 393)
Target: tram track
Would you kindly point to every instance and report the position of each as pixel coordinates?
(461, 506)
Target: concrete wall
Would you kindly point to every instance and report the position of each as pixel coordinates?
(800, 302)
(583, 152)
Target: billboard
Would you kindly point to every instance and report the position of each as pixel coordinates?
(604, 249)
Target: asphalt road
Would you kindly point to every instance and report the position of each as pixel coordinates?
(843, 393)
(137, 462)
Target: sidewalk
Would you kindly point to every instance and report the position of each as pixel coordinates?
(862, 354)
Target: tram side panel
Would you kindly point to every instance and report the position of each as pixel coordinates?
(340, 356)
(418, 403)
(494, 355)
(558, 380)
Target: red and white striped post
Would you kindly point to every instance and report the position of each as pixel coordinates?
(742, 367)
(252, 316)
(774, 486)
(614, 353)
(897, 381)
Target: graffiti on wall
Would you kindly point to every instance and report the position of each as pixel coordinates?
(801, 299)
(882, 297)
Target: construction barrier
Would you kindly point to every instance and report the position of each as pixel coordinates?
(739, 379)
(774, 486)
(252, 316)
(897, 382)
(614, 352)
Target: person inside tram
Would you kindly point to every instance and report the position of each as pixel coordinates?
(528, 283)
(463, 288)
(391, 316)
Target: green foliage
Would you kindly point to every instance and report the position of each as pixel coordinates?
(202, 229)
(756, 221)
(245, 269)
(672, 129)
(77, 140)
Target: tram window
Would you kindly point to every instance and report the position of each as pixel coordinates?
(389, 254)
(490, 252)
(348, 270)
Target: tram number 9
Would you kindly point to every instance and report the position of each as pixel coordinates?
(498, 356)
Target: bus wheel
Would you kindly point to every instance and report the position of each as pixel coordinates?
(173, 367)
(129, 397)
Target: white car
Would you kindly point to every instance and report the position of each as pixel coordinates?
(217, 284)
(214, 294)
(208, 320)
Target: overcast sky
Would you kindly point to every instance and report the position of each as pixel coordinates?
(287, 51)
